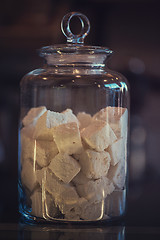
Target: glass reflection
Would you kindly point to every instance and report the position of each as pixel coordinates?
(71, 232)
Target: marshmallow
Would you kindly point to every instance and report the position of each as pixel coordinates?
(36, 199)
(120, 127)
(43, 127)
(65, 195)
(64, 167)
(33, 115)
(94, 164)
(95, 191)
(51, 151)
(98, 135)
(28, 175)
(39, 151)
(117, 174)
(43, 205)
(70, 117)
(27, 131)
(71, 215)
(85, 210)
(115, 203)
(117, 151)
(67, 137)
(51, 210)
(49, 120)
(117, 117)
(93, 211)
(110, 114)
(80, 178)
(84, 119)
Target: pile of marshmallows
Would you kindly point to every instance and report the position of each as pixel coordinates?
(71, 163)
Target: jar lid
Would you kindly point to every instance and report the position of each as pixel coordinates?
(74, 51)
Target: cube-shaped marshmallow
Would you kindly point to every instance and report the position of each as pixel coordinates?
(28, 175)
(98, 135)
(84, 119)
(85, 210)
(69, 116)
(93, 211)
(95, 191)
(109, 114)
(37, 203)
(117, 117)
(120, 124)
(67, 138)
(49, 120)
(75, 212)
(64, 167)
(80, 178)
(39, 151)
(115, 203)
(117, 174)
(43, 204)
(33, 115)
(117, 151)
(51, 210)
(43, 129)
(94, 164)
(30, 149)
(27, 131)
(65, 195)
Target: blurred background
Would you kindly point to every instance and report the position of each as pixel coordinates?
(132, 30)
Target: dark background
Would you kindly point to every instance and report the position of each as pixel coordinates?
(130, 28)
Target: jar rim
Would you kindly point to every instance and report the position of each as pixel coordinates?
(71, 49)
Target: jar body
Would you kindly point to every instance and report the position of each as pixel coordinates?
(73, 145)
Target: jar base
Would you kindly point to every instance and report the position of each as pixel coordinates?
(30, 219)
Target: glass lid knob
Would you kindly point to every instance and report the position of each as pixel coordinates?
(65, 27)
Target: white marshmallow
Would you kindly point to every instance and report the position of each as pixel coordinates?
(33, 115)
(64, 167)
(51, 151)
(95, 191)
(36, 199)
(80, 178)
(70, 117)
(43, 129)
(28, 175)
(84, 119)
(86, 211)
(117, 117)
(117, 174)
(67, 137)
(43, 204)
(117, 151)
(65, 195)
(115, 203)
(39, 151)
(120, 127)
(30, 149)
(51, 211)
(49, 120)
(98, 135)
(71, 215)
(93, 211)
(94, 164)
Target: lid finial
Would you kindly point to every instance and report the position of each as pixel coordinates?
(65, 27)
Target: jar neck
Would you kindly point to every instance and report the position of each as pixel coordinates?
(76, 63)
(76, 69)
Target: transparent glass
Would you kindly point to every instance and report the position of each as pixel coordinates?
(73, 138)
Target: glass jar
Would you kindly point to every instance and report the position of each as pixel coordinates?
(73, 134)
